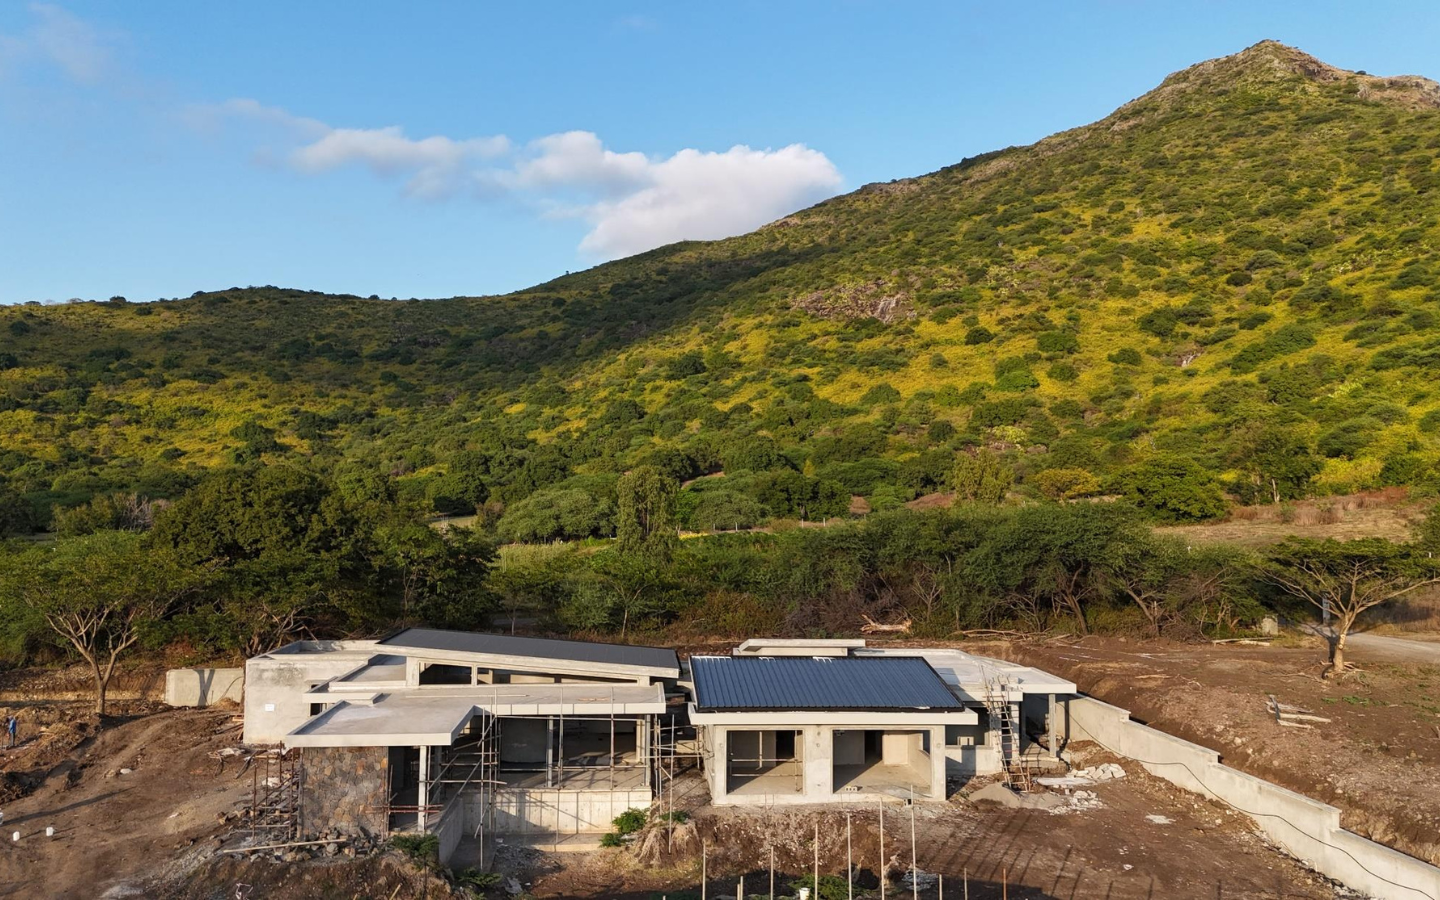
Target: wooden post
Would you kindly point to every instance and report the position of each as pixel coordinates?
(965, 882)
(816, 882)
(914, 869)
(740, 889)
(849, 863)
(1004, 884)
(941, 885)
(772, 871)
(703, 852)
(881, 870)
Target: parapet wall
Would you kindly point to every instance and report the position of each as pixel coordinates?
(1306, 828)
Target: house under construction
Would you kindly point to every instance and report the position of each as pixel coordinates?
(467, 735)
(459, 734)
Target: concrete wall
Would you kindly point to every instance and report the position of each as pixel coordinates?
(1306, 828)
(345, 788)
(450, 829)
(275, 686)
(203, 687)
(544, 811)
(849, 748)
(815, 747)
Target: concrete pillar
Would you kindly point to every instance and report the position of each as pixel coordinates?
(1052, 720)
(937, 763)
(422, 796)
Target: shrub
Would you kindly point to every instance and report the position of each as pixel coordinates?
(1172, 488)
(1057, 342)
(982, 478)
(629, 821)
(423, 849)
(979, 335)
(611, 839)
(1125, 356)
(1067, 484)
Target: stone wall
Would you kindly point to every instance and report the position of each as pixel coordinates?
(345, 788)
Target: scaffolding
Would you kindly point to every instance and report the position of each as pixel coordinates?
(276, 779)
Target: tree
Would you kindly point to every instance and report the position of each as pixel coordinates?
(1144, 570)
(1066, 484)
(97, 594)
(1172, 488)
(982, 477)
(16, 514)
(556, 515)
(645, 520)
(1343, 579)
(1278, 458)
(715, 510)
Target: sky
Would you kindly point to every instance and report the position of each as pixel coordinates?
(431, 149)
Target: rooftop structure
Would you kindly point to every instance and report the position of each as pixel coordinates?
(734, 683)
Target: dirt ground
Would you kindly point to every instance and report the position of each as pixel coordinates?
(114, 830)
(1378, 759)
(1139, 837)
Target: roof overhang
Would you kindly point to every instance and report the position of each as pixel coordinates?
(435, 715)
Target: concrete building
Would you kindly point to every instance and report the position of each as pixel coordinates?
(455, 733)
(803, 721)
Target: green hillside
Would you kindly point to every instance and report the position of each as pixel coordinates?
(1229, 282)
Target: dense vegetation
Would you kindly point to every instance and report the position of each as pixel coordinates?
(1225, 291)
(1229, 284)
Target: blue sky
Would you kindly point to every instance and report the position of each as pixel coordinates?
(431, 149)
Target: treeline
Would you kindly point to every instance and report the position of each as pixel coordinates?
(253, 557)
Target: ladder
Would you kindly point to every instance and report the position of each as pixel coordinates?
(1013, 765)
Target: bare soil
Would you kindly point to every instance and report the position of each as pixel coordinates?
(1377, 760)
(1144, 839)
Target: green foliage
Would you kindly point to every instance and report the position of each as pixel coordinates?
(556, 515)
(611, 839)
(630, 821)
(829, 887)
(1172, 488)
(982, 477)
(645, 516)
(423, 849)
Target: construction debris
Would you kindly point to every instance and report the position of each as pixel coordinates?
(873, 627)
(1292, 716)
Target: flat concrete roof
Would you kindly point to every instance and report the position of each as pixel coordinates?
(435, 714)
(970, 675)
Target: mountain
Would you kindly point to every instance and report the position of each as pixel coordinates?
(1234, 273)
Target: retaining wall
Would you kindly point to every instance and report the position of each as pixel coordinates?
(1306, 828)
(546, 811)
(203, 687)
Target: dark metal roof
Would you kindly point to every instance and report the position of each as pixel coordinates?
(819, 683)
(538, 648)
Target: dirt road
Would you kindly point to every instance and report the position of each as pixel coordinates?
(1361, 647)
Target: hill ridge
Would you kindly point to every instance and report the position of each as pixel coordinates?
(1233, 274)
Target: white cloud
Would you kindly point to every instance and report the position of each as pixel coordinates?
(633, 202)
(695, 195)
(58, 39)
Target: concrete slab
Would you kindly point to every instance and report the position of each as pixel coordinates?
(970, 674)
